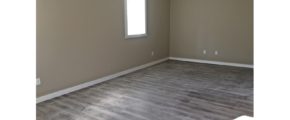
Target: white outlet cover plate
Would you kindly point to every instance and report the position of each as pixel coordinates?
(38, 81)
(216, 52)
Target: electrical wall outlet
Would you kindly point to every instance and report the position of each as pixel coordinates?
(152, 53)
(216, 52)
(204, 52)
(38, 82)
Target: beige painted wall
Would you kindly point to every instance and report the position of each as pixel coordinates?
(223, 25)
(82, 40)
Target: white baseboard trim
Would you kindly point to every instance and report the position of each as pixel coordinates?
(212, 62)
(94, 82)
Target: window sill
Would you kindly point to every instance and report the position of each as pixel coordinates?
(135, 36)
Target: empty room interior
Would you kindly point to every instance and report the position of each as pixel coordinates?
(144, 59)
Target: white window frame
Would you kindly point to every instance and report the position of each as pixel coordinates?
(126, 22)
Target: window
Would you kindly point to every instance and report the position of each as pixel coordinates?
(135, 18)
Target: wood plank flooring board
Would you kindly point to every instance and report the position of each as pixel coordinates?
(173, 97)
(172, 90)
(155, 103)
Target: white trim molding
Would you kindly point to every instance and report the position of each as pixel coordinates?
(94, 82)
(212, 62)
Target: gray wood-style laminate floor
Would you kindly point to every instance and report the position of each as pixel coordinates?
(172, 90)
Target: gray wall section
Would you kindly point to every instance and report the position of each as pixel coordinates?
(82, 40)
(223, 25)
